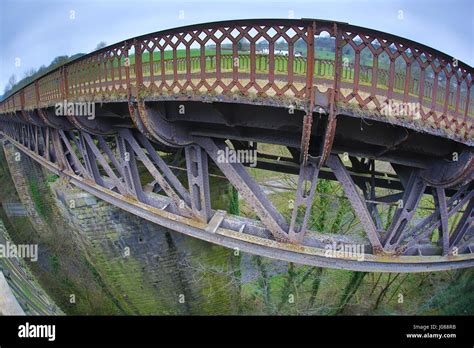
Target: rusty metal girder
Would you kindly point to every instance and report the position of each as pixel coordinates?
(198, 179)
(307, 181)
(109, 73)
(249, 190)
(83, 159)
(440, 200)
(334, 97)
(308, 117)
(423, 229)
(465, 225)
(247, 235)
(414, 190)
(358, 204)
(172, 187)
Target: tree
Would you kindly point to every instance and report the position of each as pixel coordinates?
(100, 45)
(30, 72)
(349, 291)
(10, 84)
(60, 60)
(243, 45)
(42, 69)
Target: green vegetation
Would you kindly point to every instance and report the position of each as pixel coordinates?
(234, 201)
(54, 264)
(33, 74)
(349, 291)
(50, 178)
(455, 297)
(215, 280)
(59, 269)
(37, 198)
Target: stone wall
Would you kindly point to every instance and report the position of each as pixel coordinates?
(149, 269)
(111, 262)
(22, 169)
(142, 268)
(29, 295)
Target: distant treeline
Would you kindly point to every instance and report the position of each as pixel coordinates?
(324, 46)
(32, 74)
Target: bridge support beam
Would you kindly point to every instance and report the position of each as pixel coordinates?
(413, 236)
(108, 167)
(89, 159)
(198, 179)
(76, 165)
(131, 175)
(359, 205)
(166, 179)
(307, 181)
(439, 196)
(413, 192)
(248, 189)
(465, 227)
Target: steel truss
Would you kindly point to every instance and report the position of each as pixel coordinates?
(107, 166)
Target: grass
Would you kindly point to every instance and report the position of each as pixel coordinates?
(213, 292)
(322, 68)
(58, 270)
(36, 196)
(50, 178)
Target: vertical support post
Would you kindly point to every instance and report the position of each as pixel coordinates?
(22, 100)
(91, 163)
(307, 181)
(65, 84)
(130, 171)
(27, 136)
(372, 206)
(401, 220)
(443, 210)
(138, 66)
(126, 50)
(198, 178)
(308, 117)
(331, 124)
(36, 140)
(47, 147)
(37, 94)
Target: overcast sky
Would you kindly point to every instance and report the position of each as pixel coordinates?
(36, 31)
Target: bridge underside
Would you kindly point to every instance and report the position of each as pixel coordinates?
(106, 157)
(387, 120)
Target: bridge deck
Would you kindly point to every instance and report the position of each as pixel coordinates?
(247, 96)
(367, 68)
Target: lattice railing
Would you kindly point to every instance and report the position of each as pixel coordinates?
(268, 59)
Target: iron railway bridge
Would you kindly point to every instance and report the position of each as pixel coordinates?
(269, 81)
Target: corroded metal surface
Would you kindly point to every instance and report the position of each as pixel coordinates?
(237, 82)
(270, 237)
(124, 71)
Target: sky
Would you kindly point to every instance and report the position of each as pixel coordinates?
(34, 32)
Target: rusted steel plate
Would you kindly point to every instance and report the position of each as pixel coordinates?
(256, 75)
(255, 244)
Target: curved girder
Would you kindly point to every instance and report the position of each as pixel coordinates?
(257, 78)
(179, 79)
(121, 186)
